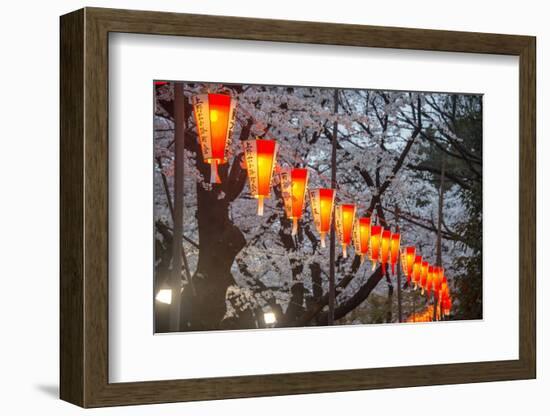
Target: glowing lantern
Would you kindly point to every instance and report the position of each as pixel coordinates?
(407, 261)
(385, 249)
(215, 119)
(394, 250)
(446, 302)
(444, 286)
(446, 306)
(322, 201)
(375, 242)
(260, 156)
(343, 222)
(437, 280)
(361, 237)
(293, 189)
(429, 279)
(424, 275)
(417, 270)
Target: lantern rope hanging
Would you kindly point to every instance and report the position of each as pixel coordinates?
(423, 275)
(361, 237)
(395, 244)
(417, 271)
(260, 156)
(385, 249)
(293, 190)
(215, 118)
(322, 202)
(343, 221)
(429, 280)
(375, 241)
(407, 262)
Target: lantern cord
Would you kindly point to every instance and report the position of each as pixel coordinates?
(297, 158)
(260, 205)
(214, 177)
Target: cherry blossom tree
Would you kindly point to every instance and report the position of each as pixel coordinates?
(390, 147)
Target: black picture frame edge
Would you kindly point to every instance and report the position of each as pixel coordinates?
(84, 207)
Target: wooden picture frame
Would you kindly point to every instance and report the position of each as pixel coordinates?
(84, 207)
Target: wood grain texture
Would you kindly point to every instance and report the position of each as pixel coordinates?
(84, 207)
(527, 208)
(71, 213)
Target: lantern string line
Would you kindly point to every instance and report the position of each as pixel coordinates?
(300, 160)
(296, 158)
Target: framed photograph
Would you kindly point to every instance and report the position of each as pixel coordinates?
(255, 207)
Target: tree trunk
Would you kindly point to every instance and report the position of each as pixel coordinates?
(439, 255)
(177, 243)
(389, 312)
(220, 241)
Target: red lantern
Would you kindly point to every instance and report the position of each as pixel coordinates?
(417, 271)
(293, 189)
(444, 286)
(429, 280)
(385, 249)
(394, 250)
(375, 242)
(407, 261)
(215, 119)
(446, 302)
(260, 156)
(361, 237)
(322, 201)
(437, 279)
(343, 222)
(424, 275)
(446, 306)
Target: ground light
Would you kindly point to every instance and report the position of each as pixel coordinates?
(269, 318)
(164, 296)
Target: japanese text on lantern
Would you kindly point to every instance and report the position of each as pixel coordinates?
(251, 158)
(200, 104)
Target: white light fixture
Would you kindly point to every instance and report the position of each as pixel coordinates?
(269, 318)
(164, 296)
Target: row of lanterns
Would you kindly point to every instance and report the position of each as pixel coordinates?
(215, 118)
(426, 277)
